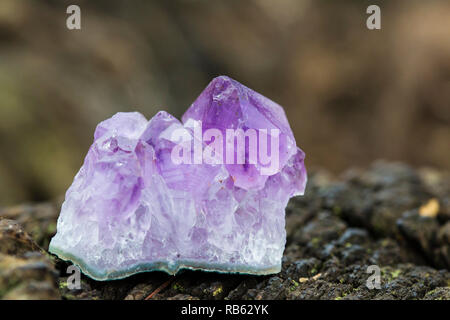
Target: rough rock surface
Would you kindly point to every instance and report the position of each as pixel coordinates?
(380, 216)
(26, 271)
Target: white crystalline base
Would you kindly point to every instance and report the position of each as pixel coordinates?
(172, 268)
(128, 250)
(258, 252)
(120, 249)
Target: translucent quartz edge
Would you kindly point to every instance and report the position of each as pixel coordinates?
(172, 268)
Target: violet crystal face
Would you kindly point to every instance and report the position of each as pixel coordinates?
(169, 195)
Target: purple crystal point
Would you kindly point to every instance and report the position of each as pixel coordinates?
(165, 195)
(227, 104)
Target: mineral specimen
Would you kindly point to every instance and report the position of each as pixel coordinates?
(207, 193)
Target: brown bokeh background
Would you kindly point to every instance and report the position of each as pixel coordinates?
(352, 95)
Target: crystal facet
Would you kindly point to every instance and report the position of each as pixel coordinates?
(132, 208)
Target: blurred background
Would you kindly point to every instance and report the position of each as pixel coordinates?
(351, 95)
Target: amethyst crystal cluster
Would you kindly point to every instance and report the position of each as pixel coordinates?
(135, 207)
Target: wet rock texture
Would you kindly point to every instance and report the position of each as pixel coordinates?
(389, 215)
